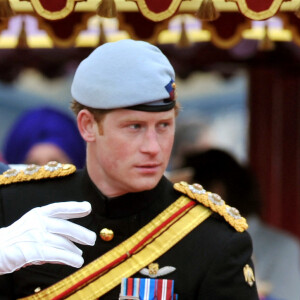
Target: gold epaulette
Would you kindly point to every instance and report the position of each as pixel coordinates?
(33, 172)
(214, 202)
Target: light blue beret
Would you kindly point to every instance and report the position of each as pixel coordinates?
(125, 74)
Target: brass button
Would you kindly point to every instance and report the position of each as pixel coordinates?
(106, 234)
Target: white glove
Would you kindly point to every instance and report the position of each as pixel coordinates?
(43, 235)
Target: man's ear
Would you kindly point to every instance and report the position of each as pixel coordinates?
(86, 125)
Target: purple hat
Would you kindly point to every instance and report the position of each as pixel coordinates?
(44, 125)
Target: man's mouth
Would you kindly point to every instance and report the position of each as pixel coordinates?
(149, 168)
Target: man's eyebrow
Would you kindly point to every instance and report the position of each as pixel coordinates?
(132, 120)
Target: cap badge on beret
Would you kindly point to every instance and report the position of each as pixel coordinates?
(171, 89)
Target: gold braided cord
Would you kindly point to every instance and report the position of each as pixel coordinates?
(230, 214)
(161, 243)
(13, 176)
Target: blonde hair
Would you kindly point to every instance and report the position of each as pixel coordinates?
(98, 113)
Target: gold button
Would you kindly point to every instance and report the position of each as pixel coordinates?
(106, 234)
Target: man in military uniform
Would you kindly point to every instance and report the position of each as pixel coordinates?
(179, 236)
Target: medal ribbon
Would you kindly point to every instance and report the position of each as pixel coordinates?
(147, 289)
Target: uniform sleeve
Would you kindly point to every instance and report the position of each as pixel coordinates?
(225, 279)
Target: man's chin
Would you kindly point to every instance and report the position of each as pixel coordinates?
(145, 185)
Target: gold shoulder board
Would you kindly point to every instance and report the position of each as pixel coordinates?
(33, 172)
(214, 202)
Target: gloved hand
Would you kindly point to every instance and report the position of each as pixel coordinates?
(44, 235)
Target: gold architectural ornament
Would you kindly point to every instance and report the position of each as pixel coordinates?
(184, 41)
(157, 16)
(102, 35)
(39, 7)
(266, 44)
(5, 9)
(207, 11)
(22, 39)
(106, 234)
(259, 15)
(107, 9)
(54, 39)
(214, 202)
(297, 12)
(32, 172)
(249, 275)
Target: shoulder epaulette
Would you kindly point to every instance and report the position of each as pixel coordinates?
(214, 202)
(33, 172)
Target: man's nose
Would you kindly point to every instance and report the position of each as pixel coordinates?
(150, 143)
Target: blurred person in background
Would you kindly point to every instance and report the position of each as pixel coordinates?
(276, 253)
(44, 134)
(189, 135)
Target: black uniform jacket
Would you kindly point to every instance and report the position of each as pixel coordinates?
(209, 261)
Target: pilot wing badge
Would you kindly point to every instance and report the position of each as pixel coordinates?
(154, 271)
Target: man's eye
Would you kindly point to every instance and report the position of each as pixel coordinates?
(135, 126)
(164, 124)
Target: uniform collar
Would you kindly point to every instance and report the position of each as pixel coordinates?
(128, 204)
